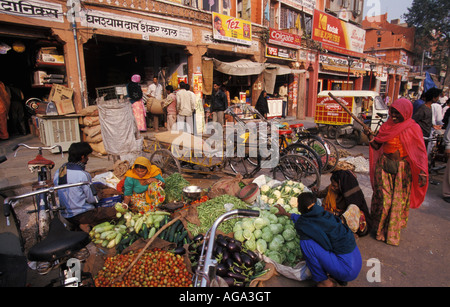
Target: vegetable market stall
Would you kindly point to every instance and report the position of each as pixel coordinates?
(162, 248)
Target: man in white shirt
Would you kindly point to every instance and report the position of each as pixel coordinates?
(185, 108)
(154, 93)
(283, 93)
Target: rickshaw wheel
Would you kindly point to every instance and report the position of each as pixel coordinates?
(164, 159)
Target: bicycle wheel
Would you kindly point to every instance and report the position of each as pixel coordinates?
(333, 157)
(297, 168)
(164, 159)
(347, 136)
(306, 151)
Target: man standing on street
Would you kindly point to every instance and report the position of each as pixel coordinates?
(185, 107)
(424, 114)
(283, 93)
(154, 93)
(219, 104)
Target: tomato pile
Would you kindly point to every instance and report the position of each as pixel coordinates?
(155, 268)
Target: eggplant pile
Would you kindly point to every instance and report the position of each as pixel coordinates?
(237, 266)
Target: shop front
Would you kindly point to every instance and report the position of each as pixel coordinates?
(282, 76)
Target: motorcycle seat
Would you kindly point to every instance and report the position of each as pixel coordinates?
(59, 243)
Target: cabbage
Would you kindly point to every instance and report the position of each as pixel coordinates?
(276, 228)
(237, 226)
(267, 234)
(282, 220)
(289, 234)
(261, 246)
(250, 244)
(247, 224)
(239, 235)
(279, 238)
(275, 245)
(257, 233)
(248, 235)
(274, 255)
(292, 245)
(259, 222)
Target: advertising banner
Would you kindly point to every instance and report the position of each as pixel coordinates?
(281, 53)
(232, 30)
(337, 35)
(284, 39)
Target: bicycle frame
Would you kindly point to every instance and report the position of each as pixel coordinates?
(10, 201)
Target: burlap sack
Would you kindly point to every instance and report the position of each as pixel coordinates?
(96, 139)
(98, 147)
(91, 121)
(89, 111)
(92, 131)
(228, 185)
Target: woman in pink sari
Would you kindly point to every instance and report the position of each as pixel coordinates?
(135, 95)
(398, 171)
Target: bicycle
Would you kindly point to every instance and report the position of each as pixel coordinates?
(291, 165)
(327, 151)
(206, 270)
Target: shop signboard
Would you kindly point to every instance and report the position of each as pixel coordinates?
(284, 39)
(232, 30)
(116, 22)
(34, 9)
(337, 35)
(281, 53)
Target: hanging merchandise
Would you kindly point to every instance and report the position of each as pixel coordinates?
(4, 48)
(18, 47)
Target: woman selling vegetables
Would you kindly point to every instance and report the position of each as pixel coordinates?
(143, 186)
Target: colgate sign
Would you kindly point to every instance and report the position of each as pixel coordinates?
(284, 39)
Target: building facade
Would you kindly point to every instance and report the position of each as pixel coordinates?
(95, 46)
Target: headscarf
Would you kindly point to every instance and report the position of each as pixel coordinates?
(411, 137)
(136, 78)
(152, 170)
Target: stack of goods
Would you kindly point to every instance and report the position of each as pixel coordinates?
(92, 130)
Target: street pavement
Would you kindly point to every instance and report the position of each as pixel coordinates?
(421, 259)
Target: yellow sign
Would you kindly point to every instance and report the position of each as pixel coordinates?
(230, 29)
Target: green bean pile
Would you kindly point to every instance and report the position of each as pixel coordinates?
(210, 210)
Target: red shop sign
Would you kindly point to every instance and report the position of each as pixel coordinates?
(284, 39)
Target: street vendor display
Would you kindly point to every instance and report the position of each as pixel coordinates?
(249, 250)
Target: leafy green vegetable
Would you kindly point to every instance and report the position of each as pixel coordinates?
(174, 185)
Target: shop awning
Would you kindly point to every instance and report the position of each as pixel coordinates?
(341, 69)
(274, 70)
(284, 70)
(242, 67)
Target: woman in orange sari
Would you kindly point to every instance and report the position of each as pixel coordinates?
(398, 171)
(143, 187)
